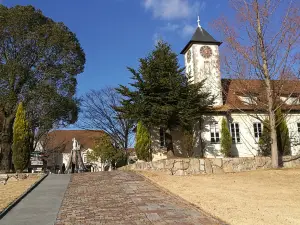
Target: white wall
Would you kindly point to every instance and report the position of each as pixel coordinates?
(248, 146)
(292, 120)
(197, 70)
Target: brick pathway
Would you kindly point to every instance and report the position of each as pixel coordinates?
(118, 197)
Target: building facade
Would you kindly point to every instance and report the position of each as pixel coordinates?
(236, 101)
(58, 144)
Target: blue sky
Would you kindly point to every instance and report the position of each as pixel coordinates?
(116, 33)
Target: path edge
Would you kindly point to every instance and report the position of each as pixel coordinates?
(16, 201)
(217, 219)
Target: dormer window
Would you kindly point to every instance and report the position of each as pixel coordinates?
(291, 100)
(248, 100)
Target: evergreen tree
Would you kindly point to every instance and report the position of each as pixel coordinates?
(192, 103)
(226, 139)
(143, 143)
(160, 95)
(283, 139)
(105, 151)
(21, 142)
(264, 142)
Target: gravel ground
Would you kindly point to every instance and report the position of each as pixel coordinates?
(13, 189)
(256, 197)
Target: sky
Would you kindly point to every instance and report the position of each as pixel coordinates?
(116, 33)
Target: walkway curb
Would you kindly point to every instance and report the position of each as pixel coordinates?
(16, 201)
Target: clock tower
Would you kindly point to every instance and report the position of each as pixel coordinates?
(202, 61)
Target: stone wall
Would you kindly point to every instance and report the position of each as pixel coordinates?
(188, 166)
(11, 177)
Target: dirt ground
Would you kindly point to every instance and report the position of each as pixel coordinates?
(14, 189)
(256, 197)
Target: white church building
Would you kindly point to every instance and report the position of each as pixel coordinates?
(202, 57)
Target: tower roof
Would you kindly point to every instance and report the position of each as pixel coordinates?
(201, 36)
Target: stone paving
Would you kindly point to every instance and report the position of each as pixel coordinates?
(41, 205)
(118, 197)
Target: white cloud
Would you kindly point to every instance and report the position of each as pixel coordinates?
(174, 9)
(187, 30)
(170, 27)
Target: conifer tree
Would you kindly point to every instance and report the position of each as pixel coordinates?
(226, 139)
(21, 142)
(264, 142)
(160, 94)
(143, 143)
(283, 138)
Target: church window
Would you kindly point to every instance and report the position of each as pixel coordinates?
(162, 137)
(84, 158)
(257, 130)
(248, 100)
(214, 133)
(235, 132)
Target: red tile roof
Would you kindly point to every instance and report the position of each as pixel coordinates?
(61, 140)
(232, 89)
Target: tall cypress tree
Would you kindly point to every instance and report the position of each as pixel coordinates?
(21, 142)
(264, 142)
(226, 139)
(143, 143)
(283, 139)
(160, 94)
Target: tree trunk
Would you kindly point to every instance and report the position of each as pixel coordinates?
(274, 146)
(269, 91)
(6, 143)
(169, 144)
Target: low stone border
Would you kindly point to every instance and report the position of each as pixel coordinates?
(189, 166)
(165, 190)
(16, 201)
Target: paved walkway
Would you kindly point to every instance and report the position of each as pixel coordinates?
(39, 207)
(117, 197)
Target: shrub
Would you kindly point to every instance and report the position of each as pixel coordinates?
(188, 143)
(226, 139)
(143, 143)
(21, 142)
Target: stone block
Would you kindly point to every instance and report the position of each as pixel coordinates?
(228, 165)
(22, 176)
(217, 162)
(217, 170)
(3, 177)
(202, 165)
(185, 164)
(208, 167)
(194, 165)
(169, 163)
(178, 165)
(12, 179)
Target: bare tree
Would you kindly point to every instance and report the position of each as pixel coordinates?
(261, 45)
(99, 112)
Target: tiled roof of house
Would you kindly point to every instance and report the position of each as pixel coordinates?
(61, 140)
(233, 90)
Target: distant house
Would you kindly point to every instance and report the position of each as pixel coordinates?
(57, 146)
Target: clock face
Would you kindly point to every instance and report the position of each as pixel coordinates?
(206, 52)
(189, 56)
